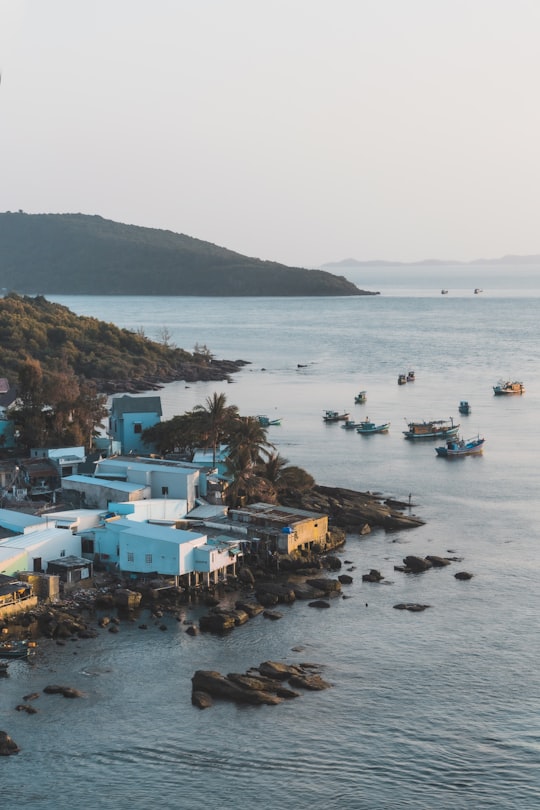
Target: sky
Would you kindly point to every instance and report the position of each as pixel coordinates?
(298, 131)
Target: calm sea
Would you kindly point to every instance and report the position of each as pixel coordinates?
(428, 710)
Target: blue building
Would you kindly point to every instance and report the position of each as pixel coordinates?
(129, 417)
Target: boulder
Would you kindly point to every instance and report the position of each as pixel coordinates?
(319, 603)
(304, 591)
(416, 565)
(325, 585)
(373, 576)
(463, 575)
(437, 562)
(345, 579)
(65, 691)
(272, 614)
(282, 591)
(7, 745)
(332, 562)
(125, 598)
(216, 623)
(251, 608)
(314, 683)
(412, 606)
(218, 685)
(278, 671)
(201, 700)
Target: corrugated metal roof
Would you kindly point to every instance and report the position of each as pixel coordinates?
(128, 404)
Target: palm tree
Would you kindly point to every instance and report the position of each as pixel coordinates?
(285, 478)
(216, 418)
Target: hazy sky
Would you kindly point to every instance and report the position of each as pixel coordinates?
(301, 131)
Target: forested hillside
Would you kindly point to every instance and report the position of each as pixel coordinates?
(76, 254)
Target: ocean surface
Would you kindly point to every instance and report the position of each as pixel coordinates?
(438, 710)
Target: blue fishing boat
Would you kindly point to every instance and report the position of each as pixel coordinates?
(455, 448)
(366, 427)
(16, 649)
(464, 407)
(434, 429)
(265, 421)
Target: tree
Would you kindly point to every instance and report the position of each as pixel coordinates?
(217, 420)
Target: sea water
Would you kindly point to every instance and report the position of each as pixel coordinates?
(427, 710)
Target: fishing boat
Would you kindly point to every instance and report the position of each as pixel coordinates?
(444, 292)
(402, 379)
(477, 290)
(435, 429)
(16, 649)
(360, 397)
(366, 427)
(508, 387)
(411, 376)
(265, 421)
(335, 416)
(349, 424)
(455, 448)
(464, 407)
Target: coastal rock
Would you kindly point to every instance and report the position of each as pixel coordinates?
(278, 671)
(217, 685)
(345, 579)
(304, 591)
(26, 707)
(267, 591)
(438, 562)
(463, 575)
(327, 586)
(373, 576)
(332, 562)
(7, 745)
(319, 603)
(202, 700)
(416, 565)
(216, 623)
(314, 683)
(65, 691)
(125, 598)
(272, 614)
(412, 606)
(251, 608)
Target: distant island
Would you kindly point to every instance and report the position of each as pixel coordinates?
(510, 259)
(77, 254)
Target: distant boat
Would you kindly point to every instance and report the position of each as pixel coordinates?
(477, 290)
(366, 426)
(444, 292)
(464, 407)
(411, 376)
(455, 448)
(349, 424)
(335, 416)
(265, 421)
(15, 649)
(507, 387)
(402, 379)
(360, 397)
(435, 429)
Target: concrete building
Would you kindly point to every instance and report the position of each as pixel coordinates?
(281, 529)
(130, 417)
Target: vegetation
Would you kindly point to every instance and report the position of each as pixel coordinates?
(66, 254)
(255, 470)
(112, 359)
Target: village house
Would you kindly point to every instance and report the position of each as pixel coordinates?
(66, 459)
(281, 529)
(130, 417)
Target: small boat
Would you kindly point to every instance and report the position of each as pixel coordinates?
(444, 292)
(15, 649)
(402, 379)
(349, 424)
(265, 421)
(411, 376)
(507, 387)
(435, 429)
(366, 426)
(360, 397)
(464, 407)
(335, 416)
(455, 448)
(477, 290)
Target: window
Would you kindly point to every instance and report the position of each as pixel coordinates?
(148, 559)
(137, 427)
(164, 490)
(87, 546)
(131, 556)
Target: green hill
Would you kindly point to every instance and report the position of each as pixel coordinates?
(76, 254)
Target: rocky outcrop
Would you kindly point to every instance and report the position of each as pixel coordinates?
(412, 606)
(65, 691)
(7, 745)
(354, 511)
(463, 575)
(263, 685)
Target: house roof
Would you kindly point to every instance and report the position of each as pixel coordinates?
(89, 480)
(128, 404)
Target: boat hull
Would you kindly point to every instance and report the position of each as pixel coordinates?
(367, 430)
(460, 449)
(435, 433)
